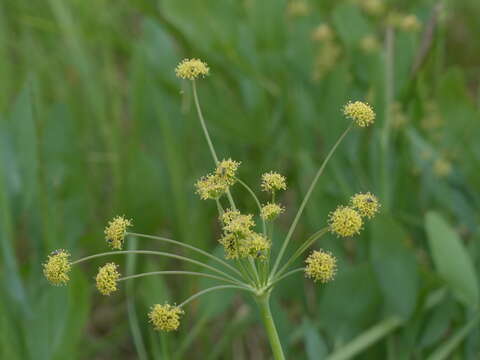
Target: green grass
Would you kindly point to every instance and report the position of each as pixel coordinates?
(93, 123)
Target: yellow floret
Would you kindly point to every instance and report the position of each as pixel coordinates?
(165, 317)
(191, 69)
(321, 266)
(361, 113)
(116, 230)
(271, 211)
(107, 278)
(366, 204)
(345, 221)
(273, 181)
(57, 267)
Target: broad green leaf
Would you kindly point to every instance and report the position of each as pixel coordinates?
(451, 259)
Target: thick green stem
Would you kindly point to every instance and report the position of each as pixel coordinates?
(263, 302)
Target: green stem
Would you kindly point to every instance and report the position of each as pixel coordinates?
(305, 200)
(301, 249)
(389, 98)
(214, 288)
(263, 302)
(158, 253)
(207, 137)
(188, 247)
(291, 272)
(250, 191)
(202, 122)
(174, 272)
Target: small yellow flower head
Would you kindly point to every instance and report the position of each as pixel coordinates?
(298, 8)
(227, 169)
(321, 266)
(373, 7)
(255, 246)
(107, 278)
(191, 69)
(366, 204)
(271, 211)
(165, 317)
(116, 230)
(230, 245)
(211, 187)
(239, 224)
(361, 113)
(57, 267)
(345, 221)
(273, 181)
(322, 32)
(410, 23)
(369, 44)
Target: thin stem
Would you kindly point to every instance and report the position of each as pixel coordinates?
(193, 273)
(158, 253)
(194, 248)
(207, 137)
(302, 248)
(389, 98)
(259, 205)
(305, 200)
(263, 303)
(291, 272)
(202, 122)
(214, 288)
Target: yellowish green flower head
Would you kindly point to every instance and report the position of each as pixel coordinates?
(366, 204)
(165, 317)
(345, 221)
(230, 243)
(116, 230)
(236, 223)
(211, 187)
(321, 266)
(273, 181)
(373, 7)
(107, 278)
(361, 113)
(191, 69)
(271, 211)
(410, 23)
(256, 246)
(226, 170)
(322, 33)
(57, 267)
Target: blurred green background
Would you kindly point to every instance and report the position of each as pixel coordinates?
(93, 123)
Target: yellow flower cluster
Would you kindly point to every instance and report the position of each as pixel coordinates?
(116, 230)
(57, 267)
(321, 266)
(107, 278)
(271, 211)
(366, 204)
(213, 186)
(361, 113)
(190, 69)
(239, 240)
(273, 181)
(345, 221)
(165, 317)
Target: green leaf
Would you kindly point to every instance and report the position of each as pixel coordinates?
(452, 260)
(315, 345)
(395, 266)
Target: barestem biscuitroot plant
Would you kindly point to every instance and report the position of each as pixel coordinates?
(249, 265)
